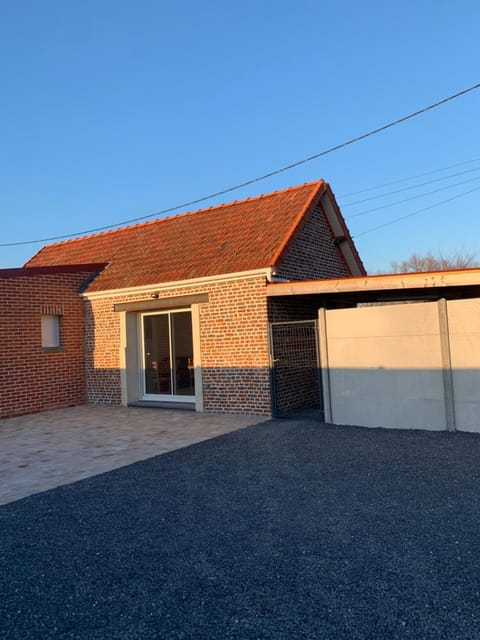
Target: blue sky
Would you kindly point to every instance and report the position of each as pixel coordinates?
(112, 110)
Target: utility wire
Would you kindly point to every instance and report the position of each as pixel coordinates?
(413, 186)
(259, 178)
(418, 175)
(414, 213)
(420, 195)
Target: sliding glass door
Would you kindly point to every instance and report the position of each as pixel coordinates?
(167, 356)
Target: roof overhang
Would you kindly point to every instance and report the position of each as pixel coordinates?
(148, 289)
(391, 287)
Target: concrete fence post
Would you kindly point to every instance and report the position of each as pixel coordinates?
(324, 365)
(446, 365)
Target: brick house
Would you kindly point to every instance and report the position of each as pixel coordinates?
(179, 315)
(42, 328)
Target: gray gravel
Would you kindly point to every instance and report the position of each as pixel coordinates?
(285, 530)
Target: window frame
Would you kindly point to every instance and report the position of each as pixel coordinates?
(51, 331)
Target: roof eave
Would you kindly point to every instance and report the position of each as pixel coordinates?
(265, 272)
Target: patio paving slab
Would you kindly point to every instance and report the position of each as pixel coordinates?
(45, 450)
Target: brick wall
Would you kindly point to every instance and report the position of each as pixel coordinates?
(32, 378)
(283, 309)
(233, 343)
(102, 352)
(313, 254)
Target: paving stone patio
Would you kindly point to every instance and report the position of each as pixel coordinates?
(45, 450)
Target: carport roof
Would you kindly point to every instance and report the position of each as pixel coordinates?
(388, 287)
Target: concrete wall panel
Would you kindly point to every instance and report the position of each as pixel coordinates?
(385, 366)
(464, 329)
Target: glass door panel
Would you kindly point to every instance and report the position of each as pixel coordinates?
(158, 373)
(182, 354)
(168, 368)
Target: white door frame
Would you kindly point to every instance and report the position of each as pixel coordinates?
(141, 343)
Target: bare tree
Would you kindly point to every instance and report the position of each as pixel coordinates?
(431, 262)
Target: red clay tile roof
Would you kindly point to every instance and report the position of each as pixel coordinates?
(230, 238)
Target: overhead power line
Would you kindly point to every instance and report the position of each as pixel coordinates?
(259, 178)
(420, 195)
(413, 186)
(414, 213)
(418, 175)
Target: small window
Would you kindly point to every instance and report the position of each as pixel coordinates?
(50, 332)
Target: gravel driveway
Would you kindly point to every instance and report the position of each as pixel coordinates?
(283, 530)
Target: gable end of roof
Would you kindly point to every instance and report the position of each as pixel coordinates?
(301, 220)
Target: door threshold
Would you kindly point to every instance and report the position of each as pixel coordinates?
(152, 404)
